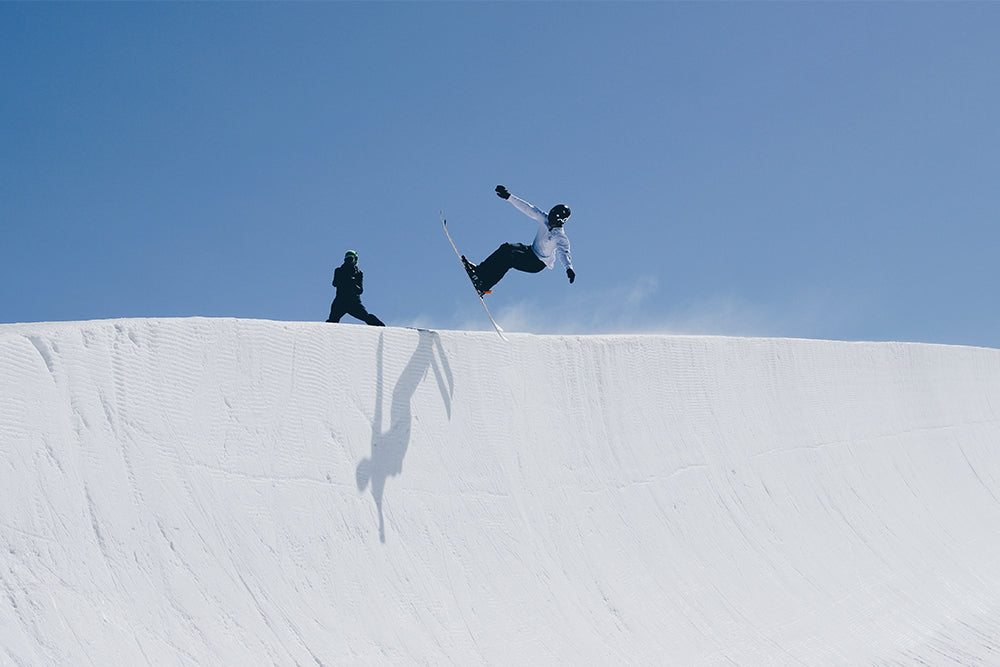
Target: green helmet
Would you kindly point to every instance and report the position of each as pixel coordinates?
(350, 255)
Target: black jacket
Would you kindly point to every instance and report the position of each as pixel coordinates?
(348, 281)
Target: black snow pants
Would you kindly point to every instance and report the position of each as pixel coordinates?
(354, 308)
(508, 256)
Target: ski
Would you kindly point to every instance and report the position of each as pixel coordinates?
(444, 223)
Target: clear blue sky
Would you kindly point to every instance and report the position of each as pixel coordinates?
(790, 169)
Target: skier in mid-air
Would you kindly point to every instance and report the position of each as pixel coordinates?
(349, 281)
(550, 242)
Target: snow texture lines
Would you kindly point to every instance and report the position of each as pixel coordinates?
(198, 491)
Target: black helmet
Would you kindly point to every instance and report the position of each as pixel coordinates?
(558, 214)
(351, 256)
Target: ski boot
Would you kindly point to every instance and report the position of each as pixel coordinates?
(470, 268)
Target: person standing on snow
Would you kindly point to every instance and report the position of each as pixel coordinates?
(348, 279)
(550, 242)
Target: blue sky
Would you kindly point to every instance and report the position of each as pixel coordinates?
(822, 170)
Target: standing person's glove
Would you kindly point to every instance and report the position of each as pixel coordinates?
(572, 275)
(502, 192)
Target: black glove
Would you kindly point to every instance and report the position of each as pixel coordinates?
(502, 192)
(572, 275)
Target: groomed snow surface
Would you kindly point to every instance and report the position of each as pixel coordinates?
(219, 491)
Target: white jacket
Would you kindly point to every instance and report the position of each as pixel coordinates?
(549, 243)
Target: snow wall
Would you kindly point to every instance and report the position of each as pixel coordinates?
(218, 491)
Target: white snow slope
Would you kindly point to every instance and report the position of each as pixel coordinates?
(219, 491)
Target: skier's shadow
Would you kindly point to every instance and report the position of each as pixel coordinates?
(389, 447)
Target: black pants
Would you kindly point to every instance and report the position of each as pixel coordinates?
(354, 308)
(508, 256)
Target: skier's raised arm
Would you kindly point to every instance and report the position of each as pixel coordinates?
(529, 210)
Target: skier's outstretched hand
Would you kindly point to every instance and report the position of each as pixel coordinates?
(502, 192)
(571, 274)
